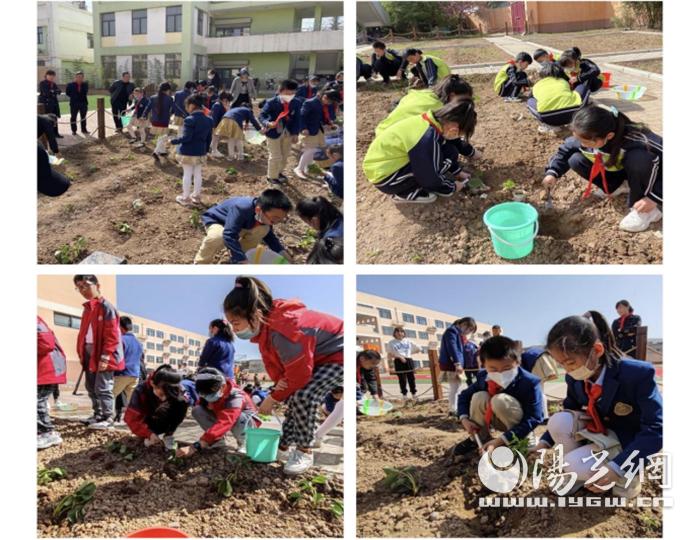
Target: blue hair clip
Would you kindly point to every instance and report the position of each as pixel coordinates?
(614, 111)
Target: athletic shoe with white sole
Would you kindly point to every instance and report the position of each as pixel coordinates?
(283, 455)
(102, 424)
(46, 440)
(422, 198)
(90, 420)
(299, 462)
(169, 442)
(638, 222)
(622, 190)
(301, 174)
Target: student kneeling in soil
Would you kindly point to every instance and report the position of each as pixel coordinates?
(385, 62)
(553, 103)
(414, 160)
(320, 214)
(426, 68)
(612, 403)
(504, 396)
(314, 115)
(512, 79)
(581, 70)
(362, 70)
(157, 407)
(607, 148)
(222, 408)
(302, 351)
(231, 128)
(242, 223)
(51, 371)
(416, 102)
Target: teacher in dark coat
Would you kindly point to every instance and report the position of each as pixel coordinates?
(120, 96)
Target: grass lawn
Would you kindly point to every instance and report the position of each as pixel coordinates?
(92, 103)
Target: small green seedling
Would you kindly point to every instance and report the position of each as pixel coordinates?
(72, 507)
(402, 480)
(308, 239)
(519, 445)
(337, 508)
(46, 476)
(195, 219)
(124, 228)
(71, 253)
(309, 488)
(92, 169)
(240, 463)
(509, 185)
(122, 450)
(315, 170)
(232, 171)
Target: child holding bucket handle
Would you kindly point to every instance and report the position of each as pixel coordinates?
(231, 128)
(607, 148)
(414, 161)
(612, 403)
(452, 361)
(222, 407)
(302, 351)
(138, 124)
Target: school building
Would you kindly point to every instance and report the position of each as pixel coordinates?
(180, 41)
(61, 307)
(376, 318)
(64, 39)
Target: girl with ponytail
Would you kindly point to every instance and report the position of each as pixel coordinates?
(612, 403)
(302, 352)
(607, 149)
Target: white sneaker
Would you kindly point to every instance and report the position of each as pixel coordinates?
(637, 222)
(102, 424)
(184, 201)
(421, 199)
(316, 443)
(622, 190)
(88, 421)
(511, 99)
(217, 154)
(301, 174)
(542, 128)
(169, 442)
(46, 440)
(283, 455)
(299, 462)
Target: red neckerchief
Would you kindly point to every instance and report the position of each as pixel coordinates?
(309, 92)
(551, 57)
(594, 391)
(326, 114)
(493, 388)
(284, 113)
(597, 168)
(623, 318)
(433, 124)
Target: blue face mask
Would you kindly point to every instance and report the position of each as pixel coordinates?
(246, 334)
(211, 398)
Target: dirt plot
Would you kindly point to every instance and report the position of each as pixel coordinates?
(447, 503)
(455, 52)
(655, 65)
(593, 42)
(452, 230)
(109, 177)
(148, 492)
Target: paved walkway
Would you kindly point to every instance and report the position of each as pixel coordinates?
(328, 458)
(69, 139)
(649, 109)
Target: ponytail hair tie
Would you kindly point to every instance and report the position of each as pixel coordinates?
(614, 111)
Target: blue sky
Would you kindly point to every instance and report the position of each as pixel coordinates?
(190, 302)
(525, 306)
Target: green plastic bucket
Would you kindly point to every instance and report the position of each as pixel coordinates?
(126, 119)
(513, 227)
(261, 444)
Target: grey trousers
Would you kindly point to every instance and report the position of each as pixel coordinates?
(206, 419)
(44, 424)
(100, 388)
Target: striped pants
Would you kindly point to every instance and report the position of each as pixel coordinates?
(301, 418)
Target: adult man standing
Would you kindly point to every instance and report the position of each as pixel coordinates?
(48, 97)
(77, 91)
(119, 96)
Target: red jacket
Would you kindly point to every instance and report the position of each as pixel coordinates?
(107, 341)
(294, 340)
(51, 366)
(227, 411)
(143, 404)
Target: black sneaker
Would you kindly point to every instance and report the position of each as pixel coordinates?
(462, 450)
(283, 178)
(84, 131)
(74, 133)
(274, 181)
(155, 157)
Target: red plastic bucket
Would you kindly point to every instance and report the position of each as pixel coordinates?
(607, 78)
(158, 532)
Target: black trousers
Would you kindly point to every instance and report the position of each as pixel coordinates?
(52, 107)
(117, 110)
(407, 376)
(49, 181)
(510, 90)
(74, 110)
(240, 100)
(387, 69)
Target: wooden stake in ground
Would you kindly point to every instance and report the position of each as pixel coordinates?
(435, 372)
(101, 119)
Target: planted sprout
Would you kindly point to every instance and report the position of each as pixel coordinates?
(240, 463)
(124, 228)
(337, 508)
(72, 507)
(195, 219)
(519, 445)
(122, 450)
(308, 239)
(138, 206)
(232, 171)
(509, 185)
(402, 480)
(309, 488)
(46, 476)
(71, 253)
(315, 170)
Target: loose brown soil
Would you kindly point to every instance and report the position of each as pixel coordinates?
(108, 177)
(593, 42)
(457, 52)
(655, 65)
(148, 493)
(452, 230)
(447, 504)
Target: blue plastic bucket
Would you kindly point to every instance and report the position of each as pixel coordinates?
(513, 227)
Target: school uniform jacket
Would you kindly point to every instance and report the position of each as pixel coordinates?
(271, 111)
(190, 390)
(241, 115)
(555, 94)
(142, 108)
(630, 405)
(432, 67)
(196, 137)
(217, 112)
(179, 103)
(51, 360)
(336, 183)
(391, 59)
(294, 340)
(334, 230)
(451, 349)
(103, 318)
(634, 142)
(587, 70)
(510, 74)
(77, 94)
(312, 115)
(133, 352)
(218, 353)
(525, 388)
(417, 140)
(142, 405)
(161, 109)
(529, 357)
(48, 95)
(306, 92)
(235, 215)
(471, 357)
(227, 410)
(626, 332)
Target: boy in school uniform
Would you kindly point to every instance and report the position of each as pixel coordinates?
(48, 97)
(315, 114)
(77, 91)
(180, 112)
(281, 125)
(309, 89)
(334, 177)
(386, 62)
(428, 69)
(512, 79)
(504, 396)
(241, 223)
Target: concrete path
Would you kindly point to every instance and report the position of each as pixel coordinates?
(69, 139)
(649, 109)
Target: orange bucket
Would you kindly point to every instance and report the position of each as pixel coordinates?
(158, 532)
(607, 77)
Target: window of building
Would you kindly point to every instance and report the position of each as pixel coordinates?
(408, 318)
(173, 349)
(173, 63)
(308, 24)
(159, 346)
(135, 328)
(190, 341)
(423, 335)
(233, 30)
(410, 333)
(139, 69)
(180, 339)
(150, 358)
(421, 320)
(67, 321)
(181, 351)
(139, 21)
(160, 334)
(384, 313)
(150, 332)
(439, 324)
(200, 22)
(108, 24)
(173, 337)
(40, 37)
(332, 23)
(173, 19)
(90, 41)
(109, 68)
(388, 330)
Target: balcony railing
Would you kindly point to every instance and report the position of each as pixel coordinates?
(326, 40)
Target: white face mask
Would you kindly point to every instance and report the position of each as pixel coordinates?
(287, 98)
(503, 378)
(582, 372)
